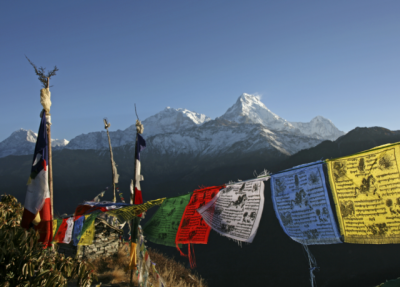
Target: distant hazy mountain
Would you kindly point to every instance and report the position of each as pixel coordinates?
(22, 142)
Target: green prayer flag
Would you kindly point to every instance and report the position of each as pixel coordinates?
(164, 224)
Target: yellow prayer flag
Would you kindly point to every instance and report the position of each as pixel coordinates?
(88, 236)
(366, 192)
(132, 260)
(54, 227)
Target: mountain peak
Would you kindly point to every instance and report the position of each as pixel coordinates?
(249, 109)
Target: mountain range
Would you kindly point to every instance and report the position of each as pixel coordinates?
(272, 259)
(246, 126)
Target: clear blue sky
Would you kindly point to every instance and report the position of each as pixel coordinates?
(339, 59)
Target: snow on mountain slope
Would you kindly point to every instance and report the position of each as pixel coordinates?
(221, 136)
(167, 121)
(22, 142)
(249, 109)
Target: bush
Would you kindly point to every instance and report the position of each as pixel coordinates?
(111, 269)
(24, 262)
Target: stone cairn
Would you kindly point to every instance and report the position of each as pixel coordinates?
(106, 240)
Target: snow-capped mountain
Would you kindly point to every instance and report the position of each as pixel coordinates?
(23, 142)
(249, 109)
(186, 131)
(167, 121)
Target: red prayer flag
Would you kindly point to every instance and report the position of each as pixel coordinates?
(192, 228)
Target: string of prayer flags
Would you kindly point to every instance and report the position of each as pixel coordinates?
(163, 225)
(129, 212)
(236, 211)
(161, 282)
(192, 228)
(143, 262)
(302, 206)
(64, 231)
(366, 192)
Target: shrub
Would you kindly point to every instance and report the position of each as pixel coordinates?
(111, 269)
(24, 262)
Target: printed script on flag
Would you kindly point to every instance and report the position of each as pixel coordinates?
(366, 191)
(192, 228)
(236, 210)
(301, 203)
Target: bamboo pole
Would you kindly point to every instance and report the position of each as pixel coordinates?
(112, 159)
(134, 226)
(50, 163)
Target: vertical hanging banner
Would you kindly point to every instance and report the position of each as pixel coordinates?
(163, 225)
(235, 212)
(366, 191)
(192, 228)
(301, 203)
(37, 207)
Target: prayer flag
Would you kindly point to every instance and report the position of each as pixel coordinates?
(86, 236)
(366, 192)
(236, 210)
(163, 225)
(132, 257)
(301, 203)
(77, 229)
(64, 231)
(37, 208)
(56, 225)
(192, 228)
